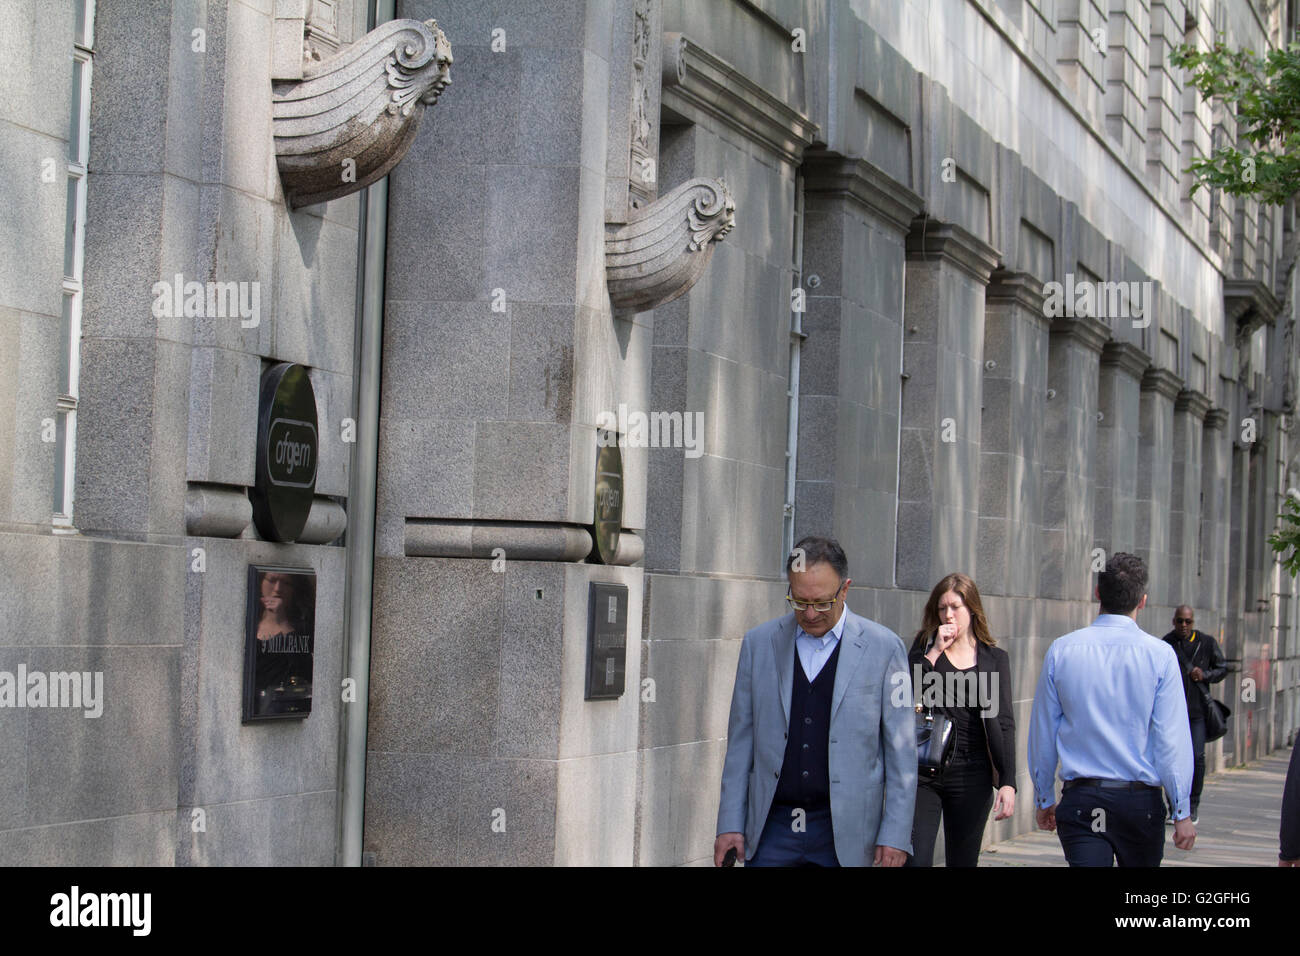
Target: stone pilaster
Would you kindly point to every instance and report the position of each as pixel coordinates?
(855, 222)
(1122, 365)
(1164, 97)
(1080, 62)
(948, 269)
(1069, 456)
(1016, 335)
(1160, 387)
(1127, 28)
(1186, 558)
(1216, 459)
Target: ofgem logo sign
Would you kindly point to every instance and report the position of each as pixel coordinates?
(291, 453)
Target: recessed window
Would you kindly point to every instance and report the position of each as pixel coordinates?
(74, 236)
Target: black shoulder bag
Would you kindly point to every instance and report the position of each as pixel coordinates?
(1216, 712)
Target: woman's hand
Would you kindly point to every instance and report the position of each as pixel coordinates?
(942, 641)
(1004, 805)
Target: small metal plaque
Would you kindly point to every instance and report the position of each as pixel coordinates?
(606, 641)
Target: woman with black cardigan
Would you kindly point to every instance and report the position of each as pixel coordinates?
(958, 669)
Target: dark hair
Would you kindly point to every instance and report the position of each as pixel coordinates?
(1121, 586)
(815, 549)
(965, 589)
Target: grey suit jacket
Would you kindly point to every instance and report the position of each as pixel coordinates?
(872, 738)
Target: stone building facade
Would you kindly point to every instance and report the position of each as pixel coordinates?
(891, 344)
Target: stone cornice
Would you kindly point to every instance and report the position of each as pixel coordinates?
(1162, 381)
(1194, 403)
(868, 185)
(697, 82)
(1087, 331)
(1127, 357)
(1017, 288)
(931, 240)
(1249, 302)
(1216, 417)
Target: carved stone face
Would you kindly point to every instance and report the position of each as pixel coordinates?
(442, 61)
(725, 219)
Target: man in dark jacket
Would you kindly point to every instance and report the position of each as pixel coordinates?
(1203, 664)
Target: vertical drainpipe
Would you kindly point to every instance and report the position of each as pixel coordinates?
(902, 383)
(360, 552)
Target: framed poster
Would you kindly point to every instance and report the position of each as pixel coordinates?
(280, 640)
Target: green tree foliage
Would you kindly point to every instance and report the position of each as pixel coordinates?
(1264, 92)
(1287, 536)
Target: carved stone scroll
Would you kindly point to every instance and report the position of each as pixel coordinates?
(664, 249)
(352, 117)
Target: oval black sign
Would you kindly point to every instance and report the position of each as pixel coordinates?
(288, 448)
(609, 495)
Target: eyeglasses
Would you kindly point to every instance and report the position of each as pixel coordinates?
(1182, 620)
(819, 606)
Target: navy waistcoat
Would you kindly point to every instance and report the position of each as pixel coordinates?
(805, 771)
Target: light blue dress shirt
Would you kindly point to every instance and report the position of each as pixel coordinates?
(1110, 704)
(815, 651)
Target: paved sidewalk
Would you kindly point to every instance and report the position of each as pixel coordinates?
(1239, 822)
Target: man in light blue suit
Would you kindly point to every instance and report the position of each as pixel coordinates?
(821, 743)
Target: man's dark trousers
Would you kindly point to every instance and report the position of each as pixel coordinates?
(1198, 766)
(796, 839)
(1101, 825)
(1198, 754)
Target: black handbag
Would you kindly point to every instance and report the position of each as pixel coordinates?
(935, 743)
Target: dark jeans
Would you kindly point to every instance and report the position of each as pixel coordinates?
(1099, 825)
(964, 800)
(781, 844)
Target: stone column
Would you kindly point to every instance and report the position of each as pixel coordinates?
(1122, 365)
(1186, 555)
(1155, 467)
(1016, 335)
(943, 352)
(855, 222)
(1069, 455)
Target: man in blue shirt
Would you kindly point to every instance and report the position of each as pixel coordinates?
(1110, 707)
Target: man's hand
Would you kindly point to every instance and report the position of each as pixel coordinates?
(1197, 674)
(1004, 805)
(725, 842)
(1184, 833)
(1046, 818)
(889, 856)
